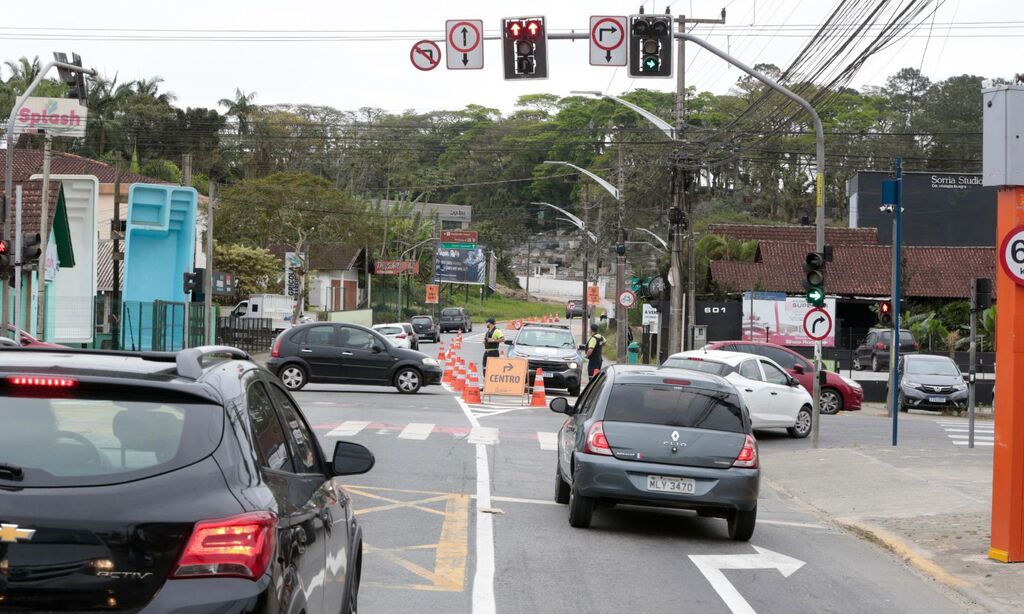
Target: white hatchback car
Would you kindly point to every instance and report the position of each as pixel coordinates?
(396, 333)
(773, 397)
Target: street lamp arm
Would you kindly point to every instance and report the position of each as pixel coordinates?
(663, 242)
(577, 222)
(604, 184)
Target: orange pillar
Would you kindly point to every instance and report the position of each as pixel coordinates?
(1008, 460)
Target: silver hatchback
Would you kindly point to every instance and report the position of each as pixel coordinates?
(660, 437)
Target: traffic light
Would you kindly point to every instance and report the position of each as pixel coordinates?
(982, 293)
(650, 46)
(524, 48)
(5, 254)
(77, 86)
(31, 247)
(191, 282)
(814, 282)
(885, 313)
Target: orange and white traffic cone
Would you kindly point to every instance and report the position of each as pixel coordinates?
(471, 393)
(539, 399)
(460, 378)
(440, 353)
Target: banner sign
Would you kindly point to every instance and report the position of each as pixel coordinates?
(459, 239)
(433, 292)
(460, 266)
(224, 283)
(506, 376)
(396, 267)
(781, 321)
(55, 116)
(292, 263)
(492, 277)
(593, 295)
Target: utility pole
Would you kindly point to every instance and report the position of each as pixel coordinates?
(894, 338)
(585, 244)
(186, 180)
(621, 313)
(208, 278)
(681, 203)
(116, 310)
(44, 235)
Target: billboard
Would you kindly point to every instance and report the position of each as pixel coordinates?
(396, 267)
(460, 266)
(776, 318)
(55, 116)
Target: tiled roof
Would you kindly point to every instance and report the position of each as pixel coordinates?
(324, 257)
(28, 162)
(31, 204)
(860, 270)
(833, 236)
(105, 266)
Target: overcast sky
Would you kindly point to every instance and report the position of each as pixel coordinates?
(375, 69)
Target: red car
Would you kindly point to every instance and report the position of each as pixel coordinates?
(837, 394)
(29, 341)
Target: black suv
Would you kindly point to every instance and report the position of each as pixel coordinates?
(326, 353)
(455, 319)
(873, 350)
(426, 327)
(161, 482)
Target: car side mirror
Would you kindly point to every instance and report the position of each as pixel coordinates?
(582, 348)
(794, 382)
(798, 369)
(378, 347)
(508, 342)
(351, 458)
(560, 405)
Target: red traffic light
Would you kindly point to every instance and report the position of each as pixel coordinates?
(515, 29)
(534, 28)
(5, 247)
(885, 308)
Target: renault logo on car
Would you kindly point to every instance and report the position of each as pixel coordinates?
(675, 435)
(10, 533)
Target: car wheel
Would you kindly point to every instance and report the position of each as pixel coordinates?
(581, 510)
(802, 428)
(856, 363)
(741, 525)
(561, 488)
(831, 401)
(293, 377)
(574, 391)
(876, 366)
(408, 381)
(351, 605)
(902, 403)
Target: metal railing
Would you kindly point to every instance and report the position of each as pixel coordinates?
(254, 335)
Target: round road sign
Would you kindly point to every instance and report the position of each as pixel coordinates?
(817, 324)
(425, 55)
(1011, 255)
(571, 305)
(464, 36)
(627, 299)
(607, 34)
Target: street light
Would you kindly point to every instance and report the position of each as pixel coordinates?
(663, 242)
(401, 261)
(578, 223)
(661, 124)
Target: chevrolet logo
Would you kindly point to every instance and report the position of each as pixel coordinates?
(10, 533)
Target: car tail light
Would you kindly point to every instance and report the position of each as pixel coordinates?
(33, 381)
(917, 346)
(879, 346)
(676, 382)
(400, 336)
(748, 455)
(275, 352)
(240, 547)
(597, 442)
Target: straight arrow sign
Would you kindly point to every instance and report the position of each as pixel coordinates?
(711, 565)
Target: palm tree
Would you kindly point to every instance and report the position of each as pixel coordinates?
(150, 88)
(23, 70)
(106, 100)
(241, 107)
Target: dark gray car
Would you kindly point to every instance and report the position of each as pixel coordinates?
(455, 319)
(660, 437)
(931, 382)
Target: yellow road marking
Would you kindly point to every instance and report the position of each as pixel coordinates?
(396, 504)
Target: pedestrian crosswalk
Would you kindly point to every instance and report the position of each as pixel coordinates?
(958, 432)
(422, 431)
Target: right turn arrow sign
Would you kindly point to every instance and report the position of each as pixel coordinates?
(711, 565)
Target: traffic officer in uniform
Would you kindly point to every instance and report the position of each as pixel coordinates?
(595, 355)
(493, 339)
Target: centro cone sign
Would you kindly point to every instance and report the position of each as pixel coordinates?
(55, 116)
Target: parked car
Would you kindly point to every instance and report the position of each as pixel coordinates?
(662, 437)
(873, 351)
(5, 342)
(454, 319)
(774, 398)
(553, 349)
(426, 327)
(400, 334)
(930, 382)
(574, 309)
(160, 482)
(837, 394)
(328, 353)
(29, 341)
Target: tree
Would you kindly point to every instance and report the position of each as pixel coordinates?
(241, 108)
(256, 270)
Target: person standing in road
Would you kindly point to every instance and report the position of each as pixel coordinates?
(493, 339)
(595, 352)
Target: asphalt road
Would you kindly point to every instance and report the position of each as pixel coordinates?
(458, 516)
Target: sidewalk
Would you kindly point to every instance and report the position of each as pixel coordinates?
(930, 506)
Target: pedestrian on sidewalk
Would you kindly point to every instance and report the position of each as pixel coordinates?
(493, 339)
(595, 352)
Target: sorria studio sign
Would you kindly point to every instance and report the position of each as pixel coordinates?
(56, 116)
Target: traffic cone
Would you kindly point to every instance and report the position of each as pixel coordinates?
(471, 393)
(511, 325)
(440, 353)
(539, 399)
(460, 379)
(557, 319)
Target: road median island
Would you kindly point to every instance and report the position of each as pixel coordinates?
(926, 506)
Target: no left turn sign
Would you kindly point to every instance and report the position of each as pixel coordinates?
(1011, 255)
(425, 55)
(817, 324)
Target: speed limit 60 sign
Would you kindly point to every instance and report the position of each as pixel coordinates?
(1011, 255)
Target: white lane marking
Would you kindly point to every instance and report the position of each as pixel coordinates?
(518, 500)
(548, 441)
(966, 430)
(976, 442)
(416, 430)
(787, 523)
(711, 565)
(483, 577)
(977, 437)
(348, 428)
(483, 435)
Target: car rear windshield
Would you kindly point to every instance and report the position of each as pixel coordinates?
(906, 337)
(932, 367)
(389, 330)
(93, 441)
(699, 364)
(422, 320)
(679, 406)
(450, 312)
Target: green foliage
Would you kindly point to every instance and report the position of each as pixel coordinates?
(162, 169)
(256, 270)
